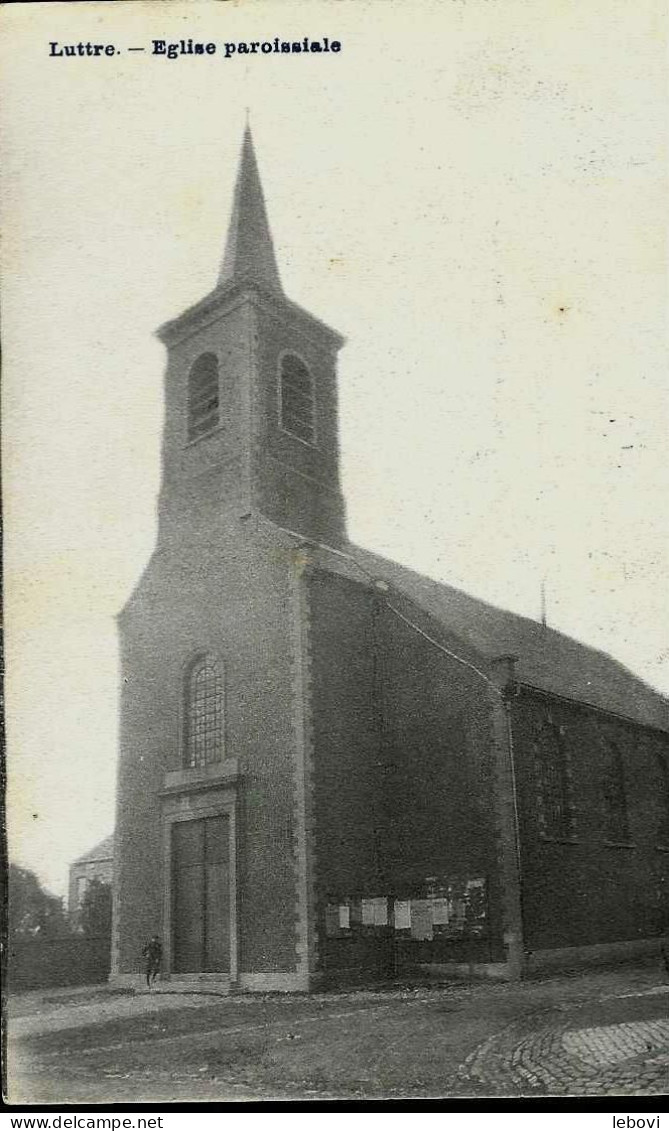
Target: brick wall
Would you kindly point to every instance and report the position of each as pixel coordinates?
(221, 582)
(402, 775)
(228, 593)
(35, 964)
(297, 484)
(592, 887)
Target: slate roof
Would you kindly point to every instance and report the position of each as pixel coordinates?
(547, 659)
(102, 851)
(249, 251)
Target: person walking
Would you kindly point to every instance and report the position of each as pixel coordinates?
(153, 953)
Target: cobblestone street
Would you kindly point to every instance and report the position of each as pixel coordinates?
(572, 1055)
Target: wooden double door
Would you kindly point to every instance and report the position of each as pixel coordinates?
(201, 895)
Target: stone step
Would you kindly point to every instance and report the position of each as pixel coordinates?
(216, 984)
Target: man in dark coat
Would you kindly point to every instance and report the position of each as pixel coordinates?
(153, 953)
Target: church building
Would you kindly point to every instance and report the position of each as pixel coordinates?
(333, 769)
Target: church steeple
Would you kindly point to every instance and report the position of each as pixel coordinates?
(251, 395)
(249, 252)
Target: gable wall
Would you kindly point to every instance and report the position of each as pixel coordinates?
(230, 595)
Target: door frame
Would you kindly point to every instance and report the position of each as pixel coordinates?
(194, 807)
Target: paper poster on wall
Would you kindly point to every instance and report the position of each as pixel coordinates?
(421, 919)
(381, 912)
(331, 919)
(402, 915)
(440, 912)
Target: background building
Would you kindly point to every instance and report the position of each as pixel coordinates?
(330, 766)
(97, 864)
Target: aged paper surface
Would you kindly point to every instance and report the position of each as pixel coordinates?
(472, 191)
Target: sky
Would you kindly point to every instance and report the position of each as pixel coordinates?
(473, 192)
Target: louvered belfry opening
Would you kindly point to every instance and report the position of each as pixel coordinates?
(298, 409)
(203, 397)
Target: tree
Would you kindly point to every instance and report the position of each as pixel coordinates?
(33, 912)
(95, 913)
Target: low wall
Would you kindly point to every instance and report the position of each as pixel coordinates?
(36, 964)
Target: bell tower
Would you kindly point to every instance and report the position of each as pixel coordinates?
(251, 420)
(211, 834)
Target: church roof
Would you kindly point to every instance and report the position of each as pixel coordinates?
(547, 659)
(249, 251)
(102, 851)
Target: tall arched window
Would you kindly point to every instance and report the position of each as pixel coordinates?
(297, 405)
(204, 713)
(616, 820)
(552, 767)
(662, 834)
(203, 400)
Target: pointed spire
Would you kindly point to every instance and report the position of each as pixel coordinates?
(249, 252)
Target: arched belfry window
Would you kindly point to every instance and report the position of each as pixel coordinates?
(204, 712)
(297, 405)
(203, 399)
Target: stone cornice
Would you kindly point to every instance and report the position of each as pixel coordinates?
(224, 299)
